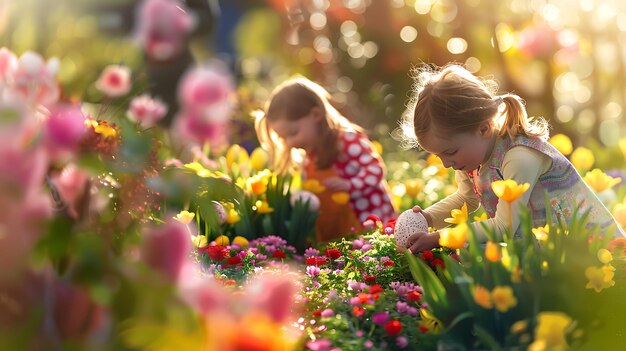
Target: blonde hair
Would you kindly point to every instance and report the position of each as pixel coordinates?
(292, 100)
(455, 101)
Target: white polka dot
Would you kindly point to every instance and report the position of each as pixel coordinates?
(350, 136)
(358, 183)
(375, 199)
(352, 168)
(366, 158)
(356, 194)
(387, 208)
(354, 150)
(363, 216)
(362, 203)
(371, 180)
(374, 169)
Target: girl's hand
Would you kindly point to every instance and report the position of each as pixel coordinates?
(422, 241)
(337, 184)
(429, 220)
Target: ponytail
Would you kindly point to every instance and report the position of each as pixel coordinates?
(514, 119)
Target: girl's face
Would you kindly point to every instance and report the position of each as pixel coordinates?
(462, 151)
(302, 133)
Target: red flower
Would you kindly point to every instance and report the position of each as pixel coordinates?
(393, 327)
(369, 279)
(389, 263)
(333, 254)
(310, 261)
(317, 313)
(320, 260)
(414, 296)
(279, 254)
(390, 224)
(230, 282)
(438, 262)
(375, 289)
(423, 329)
(427, 255)
(358, 311)
(231, 261)
(217, 252)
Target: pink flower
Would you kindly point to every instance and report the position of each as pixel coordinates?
(114, 81)
(380, 318)
(64, 128)
(273, 294)
(402, 342)
(166, 248)
(192, 128)
(8, 63)
(163, 25)
(73, 187)
(146, 110)
(319, 345)
(207, 90)
(32, 80)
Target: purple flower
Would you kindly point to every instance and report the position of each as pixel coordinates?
(412, 311)
(358, 243)
(380, 318)
(312, 271)
(384, 259)
(402, 342)
(366, 247)
(401, 306)
(311, 252)
(355, 301)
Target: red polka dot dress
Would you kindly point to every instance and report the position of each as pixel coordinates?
(362, 166)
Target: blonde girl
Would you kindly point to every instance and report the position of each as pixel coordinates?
(301, 129)
(486, 137)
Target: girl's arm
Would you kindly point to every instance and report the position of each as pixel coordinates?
(464, 194)
(523, 165)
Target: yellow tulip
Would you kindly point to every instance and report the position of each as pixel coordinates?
(519, 327)
(222, 240)
(263, 207)
(413, 187)
(503, 298)
(482, 297)
(432, 160)
(259, 159)
(232, 216)
(506, 258)
(201, 171)
(550, 331)
(236, 154)
(622, 146)
(199, 241)
(508, 190)
(378, 147)
(482, 217)
(341, 198)
(605, 256)
(492, 251)
(619, 212)
(562, 143)
(314, 186)
(185, 217)
(582, 158)
(541, 233)
(241, 241)
(600, 181)
(458, 216)
(454, 238)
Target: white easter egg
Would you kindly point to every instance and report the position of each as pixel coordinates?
(407, 224)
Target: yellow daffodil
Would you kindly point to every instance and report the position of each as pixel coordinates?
(492, 251)
(482, 217)
(413, 187)
(550, 331)
(199, 241)
(263, 207)
(605, 256)
(241, 241)
(562, 143)
(458, 216)
(378, 147)
(503, 298)
(508, 190)
(232, 216)
(622, 146)
(313, 185)
(430, 322)
(185, 217)
(454, 238)
(619, 212)
(600, 181)
(222, 240)
(482, 297)
(201, 171)
(505, 258)
(433, 160)
(341, 198)
(259, 159)
(600, 278)
(105, 130)
(236, 154)
(519, 327)
(541, 233)
(582, 158)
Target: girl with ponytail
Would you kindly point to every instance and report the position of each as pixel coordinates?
(302, 130)
(487, 137)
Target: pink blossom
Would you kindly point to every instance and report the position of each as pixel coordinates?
(327, 313)
(207, 89)
(8, 63)
(33, 80)
(146, 110)
(64, 128)
(192, 128)
(73, 186)
(319, 345)
(273, 294)
(114, 81)
(166, 248)
(402, 341)
(163, 25)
